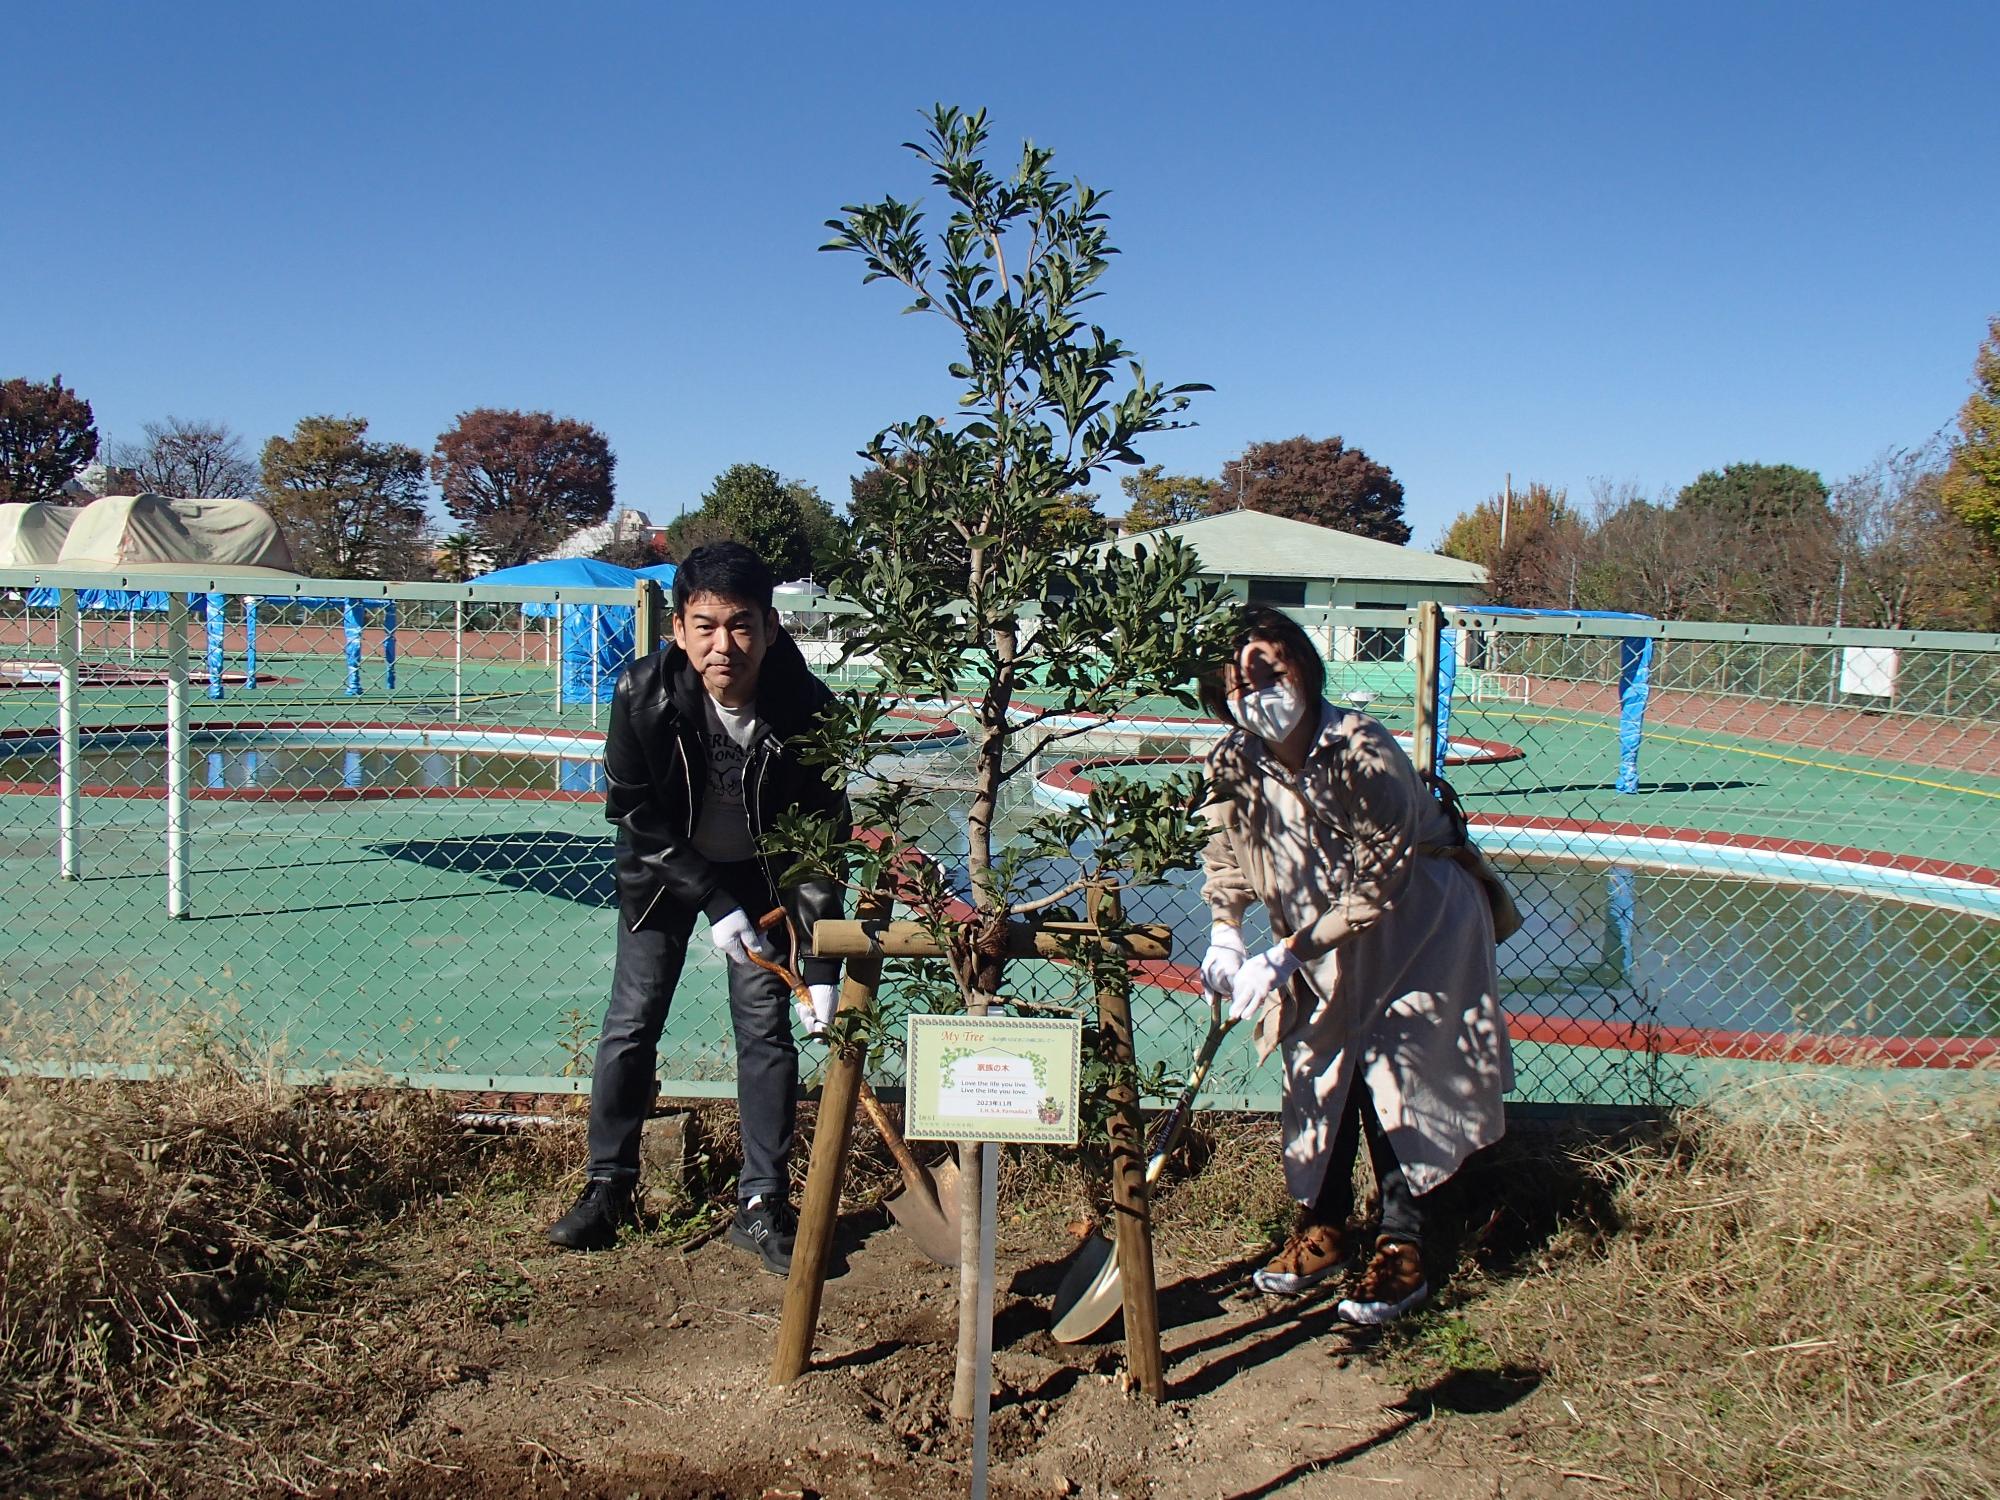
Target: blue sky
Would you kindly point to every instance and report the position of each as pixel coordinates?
(1619, 242)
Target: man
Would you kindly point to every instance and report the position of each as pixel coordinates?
(698, 766)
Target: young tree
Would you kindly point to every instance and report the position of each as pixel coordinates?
(521, 481)
(349, 507)
(1972, 485)
(192, 460)
(46, 435)
(1318, 480)
(1156, 498)
(1007, 593)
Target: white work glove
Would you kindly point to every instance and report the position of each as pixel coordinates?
(736, 936)
(819, 1015)
(1259, 979)
(1224, 957)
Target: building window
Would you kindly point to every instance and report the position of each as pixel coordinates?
(1278, 593)
(1378, 642)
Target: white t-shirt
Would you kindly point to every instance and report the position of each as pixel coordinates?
(723, 835)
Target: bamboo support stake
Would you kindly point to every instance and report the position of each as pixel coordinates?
(826, 1173)
(906, 939)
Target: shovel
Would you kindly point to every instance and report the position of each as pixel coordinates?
(927, 1207)
(1091, 1291)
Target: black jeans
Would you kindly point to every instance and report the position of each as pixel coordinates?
(643, 978)
(1402, 1219)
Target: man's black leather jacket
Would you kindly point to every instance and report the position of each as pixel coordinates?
(656, 773)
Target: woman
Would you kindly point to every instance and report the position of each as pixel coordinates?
(1382, 988)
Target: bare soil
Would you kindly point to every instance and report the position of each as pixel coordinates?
(644, 1371)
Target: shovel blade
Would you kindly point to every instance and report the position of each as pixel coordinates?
(1091, 1293)
(929, 1215)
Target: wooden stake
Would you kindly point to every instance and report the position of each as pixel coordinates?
(826, 1173)
(1430, 632)
(1130, 1198)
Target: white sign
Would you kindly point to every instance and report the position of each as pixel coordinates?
(1869, 671)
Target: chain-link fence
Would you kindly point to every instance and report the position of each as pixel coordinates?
(367, 833)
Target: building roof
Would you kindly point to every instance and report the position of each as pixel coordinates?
(1251, 543)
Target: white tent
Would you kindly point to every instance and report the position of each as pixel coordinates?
(32, 535)
(152, 531)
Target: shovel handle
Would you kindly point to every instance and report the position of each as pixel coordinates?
(906, 1161)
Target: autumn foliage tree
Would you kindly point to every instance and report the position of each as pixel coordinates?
(521, 481)
(349, 507)
(1320, 480)
(47, 433)
(1972, 483)
(1156, 498)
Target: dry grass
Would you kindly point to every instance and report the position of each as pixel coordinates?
(1800, 1299)
(139, 1221)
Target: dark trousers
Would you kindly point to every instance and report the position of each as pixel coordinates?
(643, 977)
(1402, 1219)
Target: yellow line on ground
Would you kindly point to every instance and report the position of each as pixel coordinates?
(1794, 760)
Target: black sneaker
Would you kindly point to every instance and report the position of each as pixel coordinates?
(764, 1227)
(603, 1208)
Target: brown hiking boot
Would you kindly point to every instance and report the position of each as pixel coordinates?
(1313, 1253)
(1392, 1284)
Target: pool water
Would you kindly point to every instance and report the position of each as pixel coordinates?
(384, 772)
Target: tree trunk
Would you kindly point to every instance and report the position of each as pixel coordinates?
(983, 974)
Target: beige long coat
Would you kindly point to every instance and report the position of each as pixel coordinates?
(1399, 983)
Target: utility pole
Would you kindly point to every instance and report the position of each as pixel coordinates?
(1506, 507)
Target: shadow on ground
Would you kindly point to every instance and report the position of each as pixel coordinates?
(569, 866)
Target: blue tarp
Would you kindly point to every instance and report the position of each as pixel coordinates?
(353, 614)
(117, 601)
(606, 627)
(1635, 678)
(561, 573)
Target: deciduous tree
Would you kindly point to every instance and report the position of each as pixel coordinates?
(1474, 535)
(47, 433)
(349, 507)
(1156, 498)
(521, 481)
(1910, 562)
(195, 460)
(1972, 484)
(1320, 480)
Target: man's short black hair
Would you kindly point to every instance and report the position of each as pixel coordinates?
(1261, 623)
(728, 570)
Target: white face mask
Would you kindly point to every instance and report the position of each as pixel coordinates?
(1271, 713)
